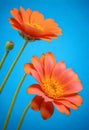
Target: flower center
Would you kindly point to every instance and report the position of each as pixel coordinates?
(36, 26)
(52, 88)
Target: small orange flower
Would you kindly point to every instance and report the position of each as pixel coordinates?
(33, 26)
(57, 86)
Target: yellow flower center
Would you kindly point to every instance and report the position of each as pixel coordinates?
(52, 88)
(36, 26)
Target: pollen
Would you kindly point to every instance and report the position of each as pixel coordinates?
(52, 88)
(36, 26)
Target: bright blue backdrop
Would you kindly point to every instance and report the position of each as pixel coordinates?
(73, 48)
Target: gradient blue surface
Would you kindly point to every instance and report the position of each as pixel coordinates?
(72, 47)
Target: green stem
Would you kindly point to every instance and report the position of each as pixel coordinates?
(13, 102)
(12, 66)
(23, 115)
(3, 58)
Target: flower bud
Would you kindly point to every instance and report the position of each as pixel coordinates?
(9, 45)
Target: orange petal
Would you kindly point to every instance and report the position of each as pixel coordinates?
(75, 99)
(28, 67)
(49, 23)
(47, 36)
(36, 103)
(63, 109)
(37, 64)
(32, 32)
(46, 110)
(49, 63)
(52, 30)
(51, 27)
(58, 69)
(36, 89)
(72, 88)
(16, 27)
(57, 31)
(13, 21)
(68, 104)
(46, 39)
(17, 15)
(15, 24)
(37, 17)
(25, 14)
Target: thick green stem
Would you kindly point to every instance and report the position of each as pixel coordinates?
(3, 58)
(12, 66)
(23, 115)
(13, 102)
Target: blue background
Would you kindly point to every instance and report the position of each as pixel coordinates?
(73, 47)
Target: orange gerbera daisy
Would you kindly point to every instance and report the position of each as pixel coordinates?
(33, 26)
(57, 86)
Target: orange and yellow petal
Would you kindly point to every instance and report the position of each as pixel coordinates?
(49, 64)
(68, 76)
(36, 89)
(42, 60)
(35, 74)
(59, 68)
(28, 67)
(72, 88)
(36, 103)
(46, 110)
(62, 108)
(68, 104)
(75, 99)
(37, 65)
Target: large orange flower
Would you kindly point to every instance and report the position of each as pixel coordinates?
(33, 26)
(57, 86)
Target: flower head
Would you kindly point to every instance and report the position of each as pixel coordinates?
(57, 86)
(33, 26)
